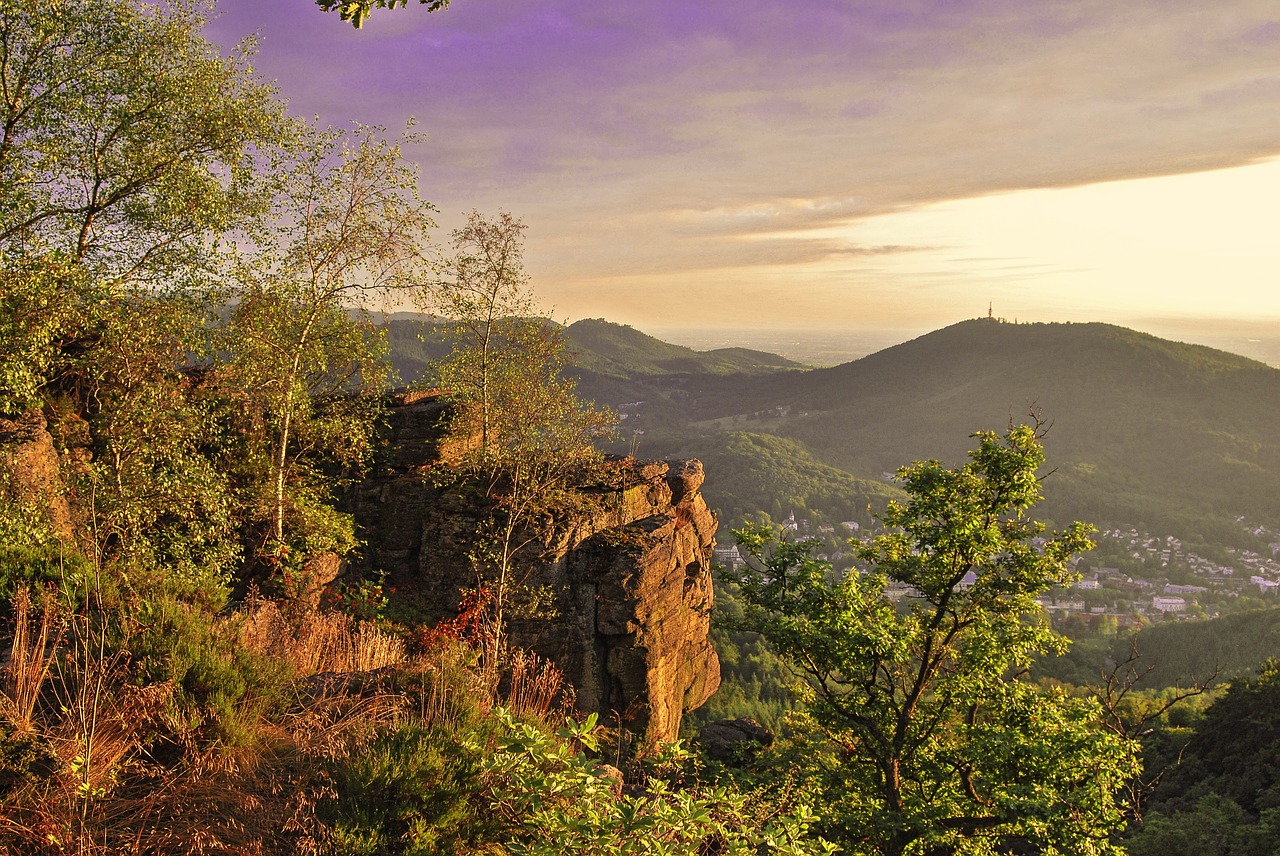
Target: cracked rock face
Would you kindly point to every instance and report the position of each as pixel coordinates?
(627, 587)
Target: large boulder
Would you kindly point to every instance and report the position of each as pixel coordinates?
(734, 740)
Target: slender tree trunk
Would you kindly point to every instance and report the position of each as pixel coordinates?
(286, 424)
(282, 450)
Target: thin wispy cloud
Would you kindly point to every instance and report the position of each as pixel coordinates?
(642, 137)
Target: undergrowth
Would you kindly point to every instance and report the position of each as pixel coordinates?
(157, 727)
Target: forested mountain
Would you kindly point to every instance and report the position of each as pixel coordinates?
(612, 355)
(1169, 437)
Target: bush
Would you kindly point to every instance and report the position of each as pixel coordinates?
(414, 791)
(223, 688)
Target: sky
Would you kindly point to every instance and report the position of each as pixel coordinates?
(832, 164)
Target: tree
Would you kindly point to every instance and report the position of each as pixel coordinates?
(521, 434)
(128, 146)
(126, 138)
(351, 228)
(356, 11)
(486, 304)
(924, 735)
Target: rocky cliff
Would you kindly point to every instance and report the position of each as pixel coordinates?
(626, 583)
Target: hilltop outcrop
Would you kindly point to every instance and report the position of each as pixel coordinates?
(624, 582)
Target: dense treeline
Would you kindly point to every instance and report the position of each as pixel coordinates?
(1218, 649)
(1221, 796)
(754, 473)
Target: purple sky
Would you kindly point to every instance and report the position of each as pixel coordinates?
(732, 161)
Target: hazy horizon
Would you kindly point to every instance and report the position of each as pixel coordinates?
(827, 347)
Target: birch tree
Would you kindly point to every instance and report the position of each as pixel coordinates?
(525, 435)
(351, 230)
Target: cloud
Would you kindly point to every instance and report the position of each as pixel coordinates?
(664, 136)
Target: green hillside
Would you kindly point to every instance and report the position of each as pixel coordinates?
(748, 473)
(616, 350)
(1176, 653)
(604, 353)
(1230, 647)
(1141, 430)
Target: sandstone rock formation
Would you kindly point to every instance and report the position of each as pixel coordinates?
(29, 472)
(629, 581)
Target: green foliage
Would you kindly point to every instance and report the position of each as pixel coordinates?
(923, 734)
(222, 690)
(127, 138)
(127, 146)
(158, 498)
(363, 600)
(32, 555)
(43, 299)
(1215, 826)
(518, 437)
(554, 800)
(1234, 752)
(1214, 650)
(1232, 646)
(351, 228)
(38, 566)
(754, 682)
(413, 791)
(356, 11)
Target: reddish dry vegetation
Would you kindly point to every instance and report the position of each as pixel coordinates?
(97, 761)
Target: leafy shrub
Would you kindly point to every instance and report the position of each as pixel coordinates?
(414, 791)
(554, 800)
(223, 688)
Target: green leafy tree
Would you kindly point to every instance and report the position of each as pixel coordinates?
(128, 146)
(521, 435)
(356, 11)
(923, 736)
(554, 800)
(126, 138)
(310, 366)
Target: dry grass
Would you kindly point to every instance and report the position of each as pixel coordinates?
(103, 792)
(30, 659)
(312, 642)
(534, 687)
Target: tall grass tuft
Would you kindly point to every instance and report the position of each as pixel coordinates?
(30, 659)
(534, 687)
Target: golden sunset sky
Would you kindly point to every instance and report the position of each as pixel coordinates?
(832, 163)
